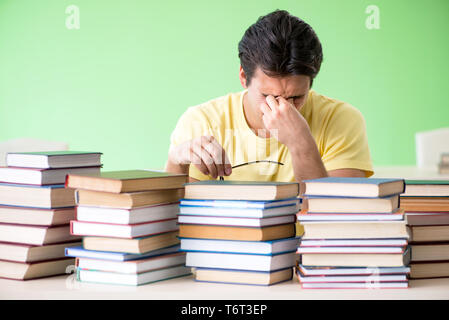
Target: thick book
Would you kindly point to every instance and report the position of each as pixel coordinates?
(425, 204)
(140, 245)
(31, 253)
(372, 278)
(53, 159)
(427, 270)
(354, 243)
(430, 251)
(426, 188)
(317, 204)
(356, 260)
(133, 266)
(348, 271)
(232, 246)
(240, 204)
(240, 190)
(36, 216)
(132, 279)
(52, 196)
(237, 233)
(239, 212)
(237, 221)
(35, 235)
(127, 216)
(348, 249)
(354, 187)
(239, 261)
(41, 176)
(80, 252)
(309, 216)
(427, 218)
(126, 181)
(34, 270)
(429, 233)
(129, 200)
(243, 277)
(81, 228)
(355, 229)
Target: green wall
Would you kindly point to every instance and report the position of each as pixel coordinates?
(120, 82)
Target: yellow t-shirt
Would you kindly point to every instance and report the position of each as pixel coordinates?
(337, 127)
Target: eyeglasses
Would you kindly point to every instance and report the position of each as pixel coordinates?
(251, 162)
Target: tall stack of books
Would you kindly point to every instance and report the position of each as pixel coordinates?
(426, 205)
(239, 232)
(355, 234)
(443, 166)
(128, 220)
(36, 209)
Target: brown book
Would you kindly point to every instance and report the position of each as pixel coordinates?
(127, 200)
(425, 204)
(31, 253)
(430, 251)
(351, 205)
(35, 235)
(36, 216)
(237, 233)
(241, 190)
(139, 245)
(429, 233)
(126, 181)
(26, 271)
(426, 270)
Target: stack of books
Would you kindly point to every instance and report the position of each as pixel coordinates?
(36, 209)
(240, 232)
(443, 166)
(128, 220)
(426, 205)
(355, 234)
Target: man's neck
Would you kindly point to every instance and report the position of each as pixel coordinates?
(254, 119)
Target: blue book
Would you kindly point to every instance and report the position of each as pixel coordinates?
(354, 187)
(241, 204)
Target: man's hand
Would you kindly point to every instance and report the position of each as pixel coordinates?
(203, 152)
(281, 115)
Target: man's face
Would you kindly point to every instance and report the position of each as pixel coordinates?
(293, 88)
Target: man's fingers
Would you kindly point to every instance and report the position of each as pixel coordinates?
(199, 164)
(272, 102)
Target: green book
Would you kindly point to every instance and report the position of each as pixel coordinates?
(426, 188)
(53, 159)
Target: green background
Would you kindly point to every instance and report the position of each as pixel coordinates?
(119, 83)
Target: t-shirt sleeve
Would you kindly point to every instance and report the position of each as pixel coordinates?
(346, 141)
(191, 124)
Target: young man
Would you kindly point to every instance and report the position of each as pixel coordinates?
(296, 132)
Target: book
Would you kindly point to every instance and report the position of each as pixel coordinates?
(127, 200)
(127, 216)
(423, 270)
(126, 181)
(140, 245)
(47, 197)
(354, 187)
(36, 216)
(80, 252)
(34, 270)
(240, 222)
(133, 266)
(348, 271)
(429, 233)
(240, 204)
(41, 176)
(373, 278)
(354, 229)
(348, 249)
(32, 253)
(132, 279)
(354, 243)
(310, 216)
(238, 212)
(425, 204)
(356, 285)
(36, 235)
(240, 190)
(317, 204)
(427, 218)
(430, 251)
(53, 159)
(238, 261)
(243, 277)
(237, 233)
(356, 260)
(232, 246)
(82, 228)
(423, 188)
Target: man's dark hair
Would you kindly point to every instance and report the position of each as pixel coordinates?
(280, 44)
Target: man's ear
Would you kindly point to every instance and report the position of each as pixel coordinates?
(242, 77)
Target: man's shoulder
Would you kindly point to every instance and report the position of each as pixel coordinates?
(327, 107)
(215, 108)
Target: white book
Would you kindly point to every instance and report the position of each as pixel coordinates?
(123, 231)
(356, 285)
(302, 250)
(242, 204)
(350, 217)
(354, 242)
(335, 271)
(233, 246)
(132, 279)
(373, 278)
(127, 216)
(240, 261)
(133, 266)
(239, 212)
(53, 159)
(243, 222)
